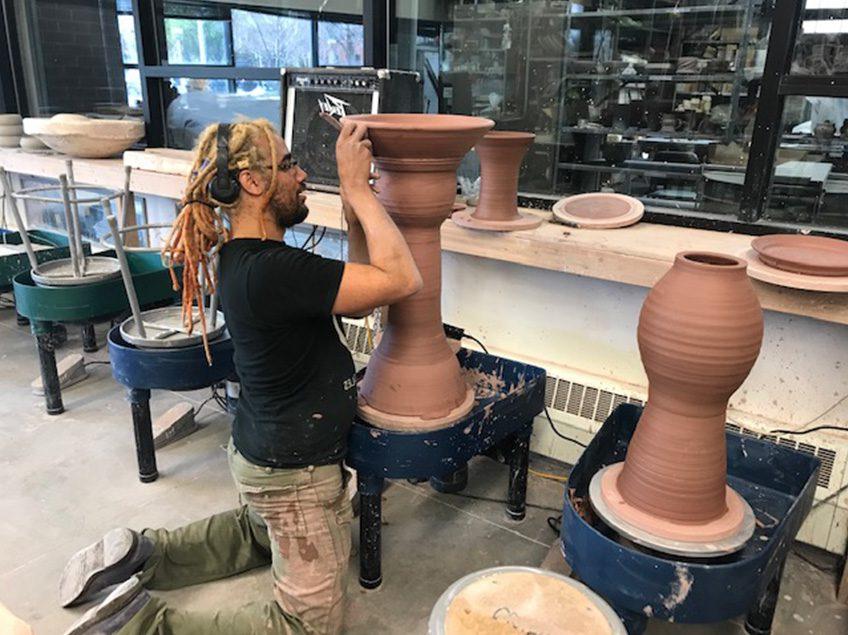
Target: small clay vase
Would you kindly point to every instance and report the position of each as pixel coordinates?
(501, 153)
(699, 334)
(413, 380)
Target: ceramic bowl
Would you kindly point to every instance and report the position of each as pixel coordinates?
(80, 136)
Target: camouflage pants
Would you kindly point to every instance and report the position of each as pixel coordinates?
(298, 520)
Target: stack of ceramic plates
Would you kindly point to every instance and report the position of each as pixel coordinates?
(11, 131)
(812, 263)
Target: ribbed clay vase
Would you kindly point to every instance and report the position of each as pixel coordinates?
(700, 332)
(413, 379)
(501, 153)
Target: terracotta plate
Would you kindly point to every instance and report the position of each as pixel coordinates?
(810, 255)
(599, 210)
(759, 270)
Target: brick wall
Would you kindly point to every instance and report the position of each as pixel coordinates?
(80, 55)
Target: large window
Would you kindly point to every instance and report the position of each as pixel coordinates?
(221, 61)
(70, 55)
(649, 98)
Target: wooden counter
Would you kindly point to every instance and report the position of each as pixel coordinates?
(637, 255)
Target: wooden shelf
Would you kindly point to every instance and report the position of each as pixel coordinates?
(637, 255)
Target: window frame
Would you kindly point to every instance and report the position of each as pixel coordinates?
(378, 22)
(150, 37)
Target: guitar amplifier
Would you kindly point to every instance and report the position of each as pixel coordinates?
(309, 92)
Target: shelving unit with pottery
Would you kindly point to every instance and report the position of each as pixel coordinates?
(651, 95)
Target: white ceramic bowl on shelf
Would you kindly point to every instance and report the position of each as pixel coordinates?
(80, 136)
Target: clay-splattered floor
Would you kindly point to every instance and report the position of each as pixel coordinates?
(67, 479)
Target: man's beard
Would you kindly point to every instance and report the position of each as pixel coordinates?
(288, 214)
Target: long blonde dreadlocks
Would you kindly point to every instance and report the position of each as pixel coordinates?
(199, 229)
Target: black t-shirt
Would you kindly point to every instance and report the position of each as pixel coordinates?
(298, 394)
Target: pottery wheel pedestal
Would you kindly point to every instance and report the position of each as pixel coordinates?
(47, 308)
(179, 369)
(508, 395)
(777, 483)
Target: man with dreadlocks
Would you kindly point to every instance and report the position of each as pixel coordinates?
(297, 397)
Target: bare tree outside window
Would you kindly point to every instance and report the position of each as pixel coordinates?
(269, 41)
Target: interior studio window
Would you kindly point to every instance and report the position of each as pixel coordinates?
(340, 44)
(267, 40)
(201, 102)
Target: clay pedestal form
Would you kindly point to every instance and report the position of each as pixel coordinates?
(501, 153)
(413, 379)
(699, 334)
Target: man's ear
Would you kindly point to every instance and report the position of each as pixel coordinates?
(251, 183)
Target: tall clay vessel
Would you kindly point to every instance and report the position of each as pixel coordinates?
(413, 379)
(699, 335)
(501, 153)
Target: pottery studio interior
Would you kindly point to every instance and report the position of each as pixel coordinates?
(577, 362)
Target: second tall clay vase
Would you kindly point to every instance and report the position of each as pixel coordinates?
(413, 380)
(699, 334)
(501, 153)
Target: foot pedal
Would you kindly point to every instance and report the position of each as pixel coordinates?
(71, 371)
(176, 423)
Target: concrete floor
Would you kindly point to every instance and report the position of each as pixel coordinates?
(68, 479)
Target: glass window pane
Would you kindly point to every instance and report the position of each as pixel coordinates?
(200, 102)
(810, 180)
(340, 44)
(822, 44)
(642, 97)
(132, 77)
(129, 48)
(266, 40)
(71, 55)
(193, 41)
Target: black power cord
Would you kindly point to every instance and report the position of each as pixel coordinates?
(457, 333)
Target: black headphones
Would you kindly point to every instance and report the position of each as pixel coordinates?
(224, 187)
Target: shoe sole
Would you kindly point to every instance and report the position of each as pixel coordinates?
(120, 597)
(87, 565)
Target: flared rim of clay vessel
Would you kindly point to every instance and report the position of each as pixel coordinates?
(422, 122)
(710, 260)
(727, 534)
(759, 270)
(521, 222)
(412, 424)
(625, 211)
(504, 136)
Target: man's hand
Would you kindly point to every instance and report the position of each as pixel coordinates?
(353, 156)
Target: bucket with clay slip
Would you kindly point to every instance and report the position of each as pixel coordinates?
(517, 599)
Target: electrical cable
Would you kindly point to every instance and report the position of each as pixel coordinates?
(816, 418)
(555, 523)
(478, 342)
(308, 238)
(551, 477)
(462, 333)
(500, 501)
(810, 430)
(93, 363)
(560, 434)
(320, 238)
